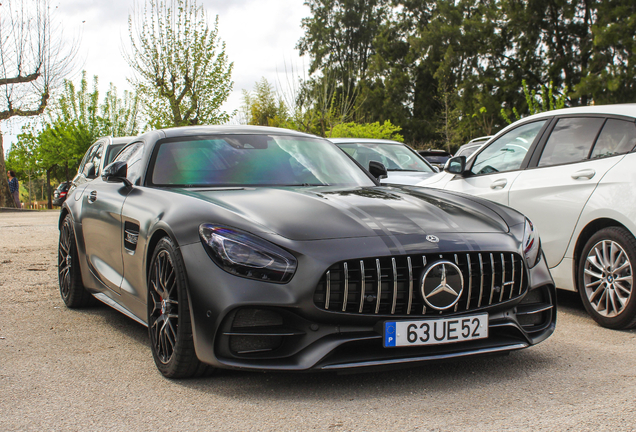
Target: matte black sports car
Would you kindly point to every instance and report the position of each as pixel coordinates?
(264, 248)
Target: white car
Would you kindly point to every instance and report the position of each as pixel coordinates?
(572, 172)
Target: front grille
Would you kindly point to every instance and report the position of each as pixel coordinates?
(391, 285)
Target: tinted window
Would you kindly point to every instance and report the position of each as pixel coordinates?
(111, 152)
(88, 155)
(507, 152)
(570, 140)
(394, 157)
(237, 160)
(617, 137)
(97, 158)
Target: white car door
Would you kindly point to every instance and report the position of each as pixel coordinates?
(553, 193)
(497, 166)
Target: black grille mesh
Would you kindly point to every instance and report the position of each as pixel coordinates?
(489, 278)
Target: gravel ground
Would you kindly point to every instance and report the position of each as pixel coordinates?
(92, 370)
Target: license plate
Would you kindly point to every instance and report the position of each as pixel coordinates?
(435, 331)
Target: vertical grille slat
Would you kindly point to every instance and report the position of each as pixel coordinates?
(379, 270)
(481, 283)
(470, 281)
(345, 297)
(512, 288)
(395, 285)
(328, 297)
(492, 278)
(362, 286)
(489, 278)
(503, 278)
(408, 308)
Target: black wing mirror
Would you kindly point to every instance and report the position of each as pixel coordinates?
(377, 170)
(116, 173)
(456, 165)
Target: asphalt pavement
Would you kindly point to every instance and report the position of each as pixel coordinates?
(92, 370)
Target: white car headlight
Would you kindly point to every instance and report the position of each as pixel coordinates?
(531, 244)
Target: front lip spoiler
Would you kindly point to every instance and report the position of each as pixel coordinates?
(482, 351)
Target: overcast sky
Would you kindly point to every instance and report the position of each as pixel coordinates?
(260, 36)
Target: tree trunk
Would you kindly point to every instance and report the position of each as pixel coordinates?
(48, 188)
(6, 199)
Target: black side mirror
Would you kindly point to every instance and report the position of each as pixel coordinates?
(116, 173)
(377, 170)
(89, 171)
(456, 165)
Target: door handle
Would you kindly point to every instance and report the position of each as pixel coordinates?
(498, 184)
(92, 197)
(585, 174)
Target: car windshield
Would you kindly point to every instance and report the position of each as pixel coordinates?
(395, 157)
(253, 160)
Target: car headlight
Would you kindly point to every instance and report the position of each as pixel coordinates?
(531, 244)
(246, 255)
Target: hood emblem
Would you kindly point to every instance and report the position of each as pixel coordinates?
(432, 238)
(442, 285)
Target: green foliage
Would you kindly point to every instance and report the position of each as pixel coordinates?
(182, 72)
(385, 130)
(262, 106)
(538, 102)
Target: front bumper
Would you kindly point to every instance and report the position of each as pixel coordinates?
(246, 324)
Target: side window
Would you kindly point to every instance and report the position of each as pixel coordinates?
(132, 155)
(90, 168)
(507, 152)
(87, 156)
(617, 137)
(570, 140)
(96, 158)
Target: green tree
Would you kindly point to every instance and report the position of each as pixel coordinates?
(545, 100)
(262, 106)
(182, 72)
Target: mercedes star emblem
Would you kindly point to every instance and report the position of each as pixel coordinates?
(442, 285)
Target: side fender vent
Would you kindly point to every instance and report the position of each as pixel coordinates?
(131, 235)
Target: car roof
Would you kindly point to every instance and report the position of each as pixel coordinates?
(363, 141)
(229, 129)
(122, 140)
(616, 109)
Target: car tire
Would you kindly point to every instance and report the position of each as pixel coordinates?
(169, 322)
(72, 289)
(605, 278)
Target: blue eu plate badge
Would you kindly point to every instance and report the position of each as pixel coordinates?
(389, 334)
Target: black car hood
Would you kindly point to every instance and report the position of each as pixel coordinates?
(318, 213)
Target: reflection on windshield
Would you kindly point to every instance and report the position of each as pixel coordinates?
(394, 157)
(253, 160)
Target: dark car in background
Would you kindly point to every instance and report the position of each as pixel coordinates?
(435, 157)
(259, 248)
(59, 195)
(403, 164)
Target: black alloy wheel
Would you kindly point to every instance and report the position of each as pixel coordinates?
(605, 278)
(169, 324)
(69, 276)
